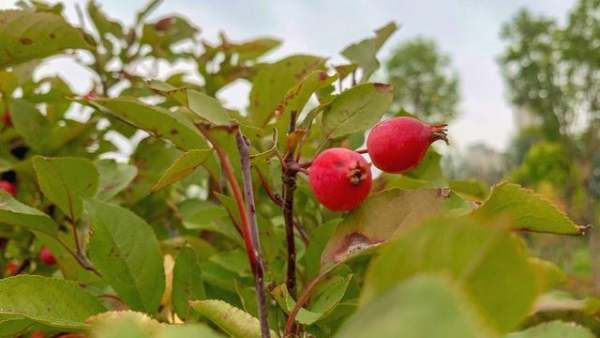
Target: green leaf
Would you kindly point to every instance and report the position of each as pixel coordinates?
(486, 260)
(297, 97)
(183, 166)
(254, 49)
(471, 189)
(324, 300)
(364, 53)
(103, 24)
(125, 251)
(65, 181)
(356, 109)
(272, 82)
(52, 302)
(208, 216)
(548, 274)
(380, 218)
(235, 322)
(316, 244)
(13, 325)
(187, 282)
(423, 306)
(16, 213)
(31, 125)
(156, 120)
(555, 329)
(129, 324)
(166, 32)
(206, 107)
(144, 12)
(152, 157)
(528, 210)
(28, 35)
(114, 177)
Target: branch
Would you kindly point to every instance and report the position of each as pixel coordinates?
(258, 270)
(289, 174)
(245, 226)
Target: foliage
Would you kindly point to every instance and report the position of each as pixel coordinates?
(208, 227)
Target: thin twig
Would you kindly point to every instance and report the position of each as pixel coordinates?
(235, 190)
(273, 196)
(304, 298)
(82, 260)
(259, 272)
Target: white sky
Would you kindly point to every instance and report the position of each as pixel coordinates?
(468, 30)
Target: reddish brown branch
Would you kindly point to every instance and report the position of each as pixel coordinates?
(259, 273)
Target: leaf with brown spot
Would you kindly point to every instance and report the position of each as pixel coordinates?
(27, 35)
(381, 218)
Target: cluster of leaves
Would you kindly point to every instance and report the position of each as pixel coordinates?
(162, 243)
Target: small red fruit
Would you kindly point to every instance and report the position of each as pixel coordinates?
(340, 178)
(6, 119)
(12, 268)
(47, 257)
(8, 187)
(38, 334)
(399, 144)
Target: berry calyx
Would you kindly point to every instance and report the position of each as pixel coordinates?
(8, 187)
(47, 257)
(340, 178)
(399, 144)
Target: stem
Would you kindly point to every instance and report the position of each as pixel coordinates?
(80, 258)
(290, 173)
(274, 197)
(258, 270)
(304, 298)
(245, 226)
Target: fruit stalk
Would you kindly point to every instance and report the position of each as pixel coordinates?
(259, 270)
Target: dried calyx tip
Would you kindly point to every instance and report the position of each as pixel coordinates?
(358, 172)
(439, 132)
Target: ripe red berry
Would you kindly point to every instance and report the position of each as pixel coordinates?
(47, 257)
(6, 119)
(8, 187)
(12, 268)
(399, 144)
(340, 178)
(38, 334)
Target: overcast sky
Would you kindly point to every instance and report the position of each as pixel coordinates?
(468, 30)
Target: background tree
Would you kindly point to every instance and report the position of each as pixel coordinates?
(424, 82)
(553, 75)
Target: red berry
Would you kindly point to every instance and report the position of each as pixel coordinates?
(8, 187)
(12, 268)
(6, 119)
(399, 144)
(47, 257)
(38, 334)
(340, 178)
